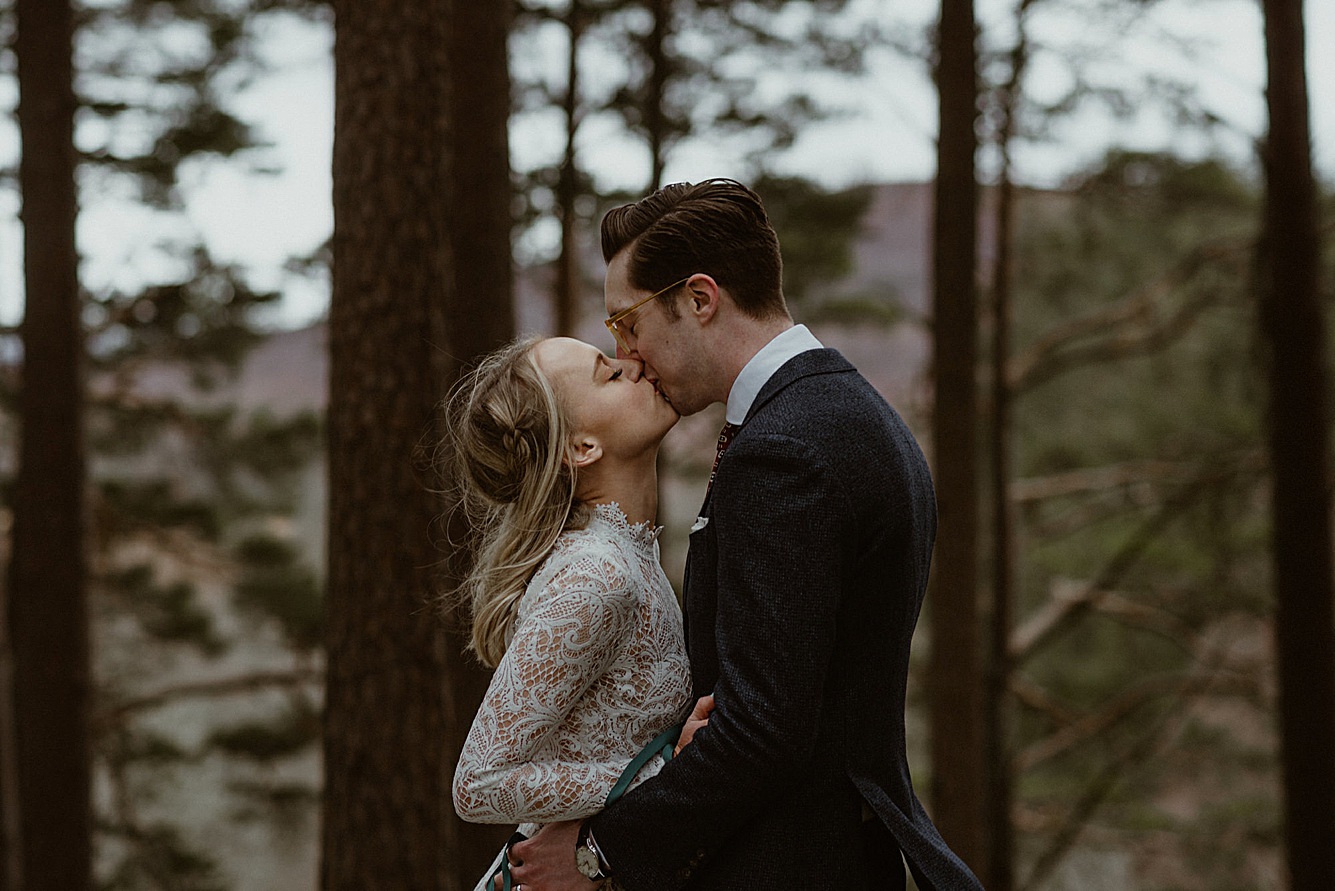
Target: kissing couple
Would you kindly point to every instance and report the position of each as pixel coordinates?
(754, 737)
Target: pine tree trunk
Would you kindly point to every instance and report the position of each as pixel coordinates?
(399, 328)
(655, 105)
(1000, 796)
(567, 187)
(1001, 839)
(479, 318)
(958, 767)
(1293, 328)
(47, 601)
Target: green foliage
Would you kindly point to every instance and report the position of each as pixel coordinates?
(172, 467)
(816, 228)
(1139, 278)
(882, 308)
(151, 749)
(159, 857)
(154, 74)
(274, 584)
(273, 447)
(153, 503)
(265, 741)
(205, 318)
(709, 78)
(168, 613)
(284, 805)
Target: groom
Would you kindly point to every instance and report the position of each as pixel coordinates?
(803, 584)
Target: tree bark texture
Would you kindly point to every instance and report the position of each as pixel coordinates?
(1293, 328)
(958, 765)
(479, 318)
(402, 323)
(481, 315)
(47, 607)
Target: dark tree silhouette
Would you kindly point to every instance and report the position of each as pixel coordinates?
(47, 599)
(479, 318)
(1000, 874)
(400, 329)
(1292, 327)
(958, 775)
(567, 178)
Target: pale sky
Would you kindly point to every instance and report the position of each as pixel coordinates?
(888, 135)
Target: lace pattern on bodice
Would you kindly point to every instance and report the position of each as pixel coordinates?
(596, 666)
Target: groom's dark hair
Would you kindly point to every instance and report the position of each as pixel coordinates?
(718, 227)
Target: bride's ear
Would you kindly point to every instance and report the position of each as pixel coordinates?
(583, 452)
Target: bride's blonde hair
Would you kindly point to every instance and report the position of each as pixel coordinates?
(508, 437)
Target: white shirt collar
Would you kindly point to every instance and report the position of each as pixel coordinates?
(756, 373)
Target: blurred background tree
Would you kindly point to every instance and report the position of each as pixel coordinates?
(956, 676)
(1293, 323)
(47, 775)
(184, 488)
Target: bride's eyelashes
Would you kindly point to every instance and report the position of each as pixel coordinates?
(616, 374)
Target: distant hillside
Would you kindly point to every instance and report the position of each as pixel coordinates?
(288, 371)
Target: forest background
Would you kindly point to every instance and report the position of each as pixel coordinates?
(1097, 689)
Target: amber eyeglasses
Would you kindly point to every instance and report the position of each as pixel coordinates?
(614, 323)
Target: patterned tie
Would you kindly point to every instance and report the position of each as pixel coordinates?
(725, 438)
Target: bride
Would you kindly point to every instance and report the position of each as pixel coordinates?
(555, 448)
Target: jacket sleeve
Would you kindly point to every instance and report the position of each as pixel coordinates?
(779, 518)
(507, 772)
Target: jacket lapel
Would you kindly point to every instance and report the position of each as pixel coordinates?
(824, 361)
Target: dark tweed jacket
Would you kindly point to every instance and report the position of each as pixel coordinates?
(802, 592)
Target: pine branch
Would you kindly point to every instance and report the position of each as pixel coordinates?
(1028, 693)
(1123, 705)
(1131, 327)
(1070, 600)
(211, 689)
(1066, 600)
(1098, 479)
(1104, 783)
(1139, 752)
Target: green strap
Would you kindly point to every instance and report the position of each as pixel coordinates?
(662, 744)
(507, 882)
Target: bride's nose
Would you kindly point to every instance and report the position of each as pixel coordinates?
(633, 368)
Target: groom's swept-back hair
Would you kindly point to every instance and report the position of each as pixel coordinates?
(718, 227)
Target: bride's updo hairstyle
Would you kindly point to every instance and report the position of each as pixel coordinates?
(508, 437)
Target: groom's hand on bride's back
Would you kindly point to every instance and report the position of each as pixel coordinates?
(699, 718)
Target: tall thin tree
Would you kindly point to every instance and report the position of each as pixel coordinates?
(567, 183)
(400, 328)
(1000, 874)
(656, 81)
(1293, 329)
(958, 766)
(47, 598)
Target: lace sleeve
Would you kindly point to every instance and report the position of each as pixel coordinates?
(563, 642)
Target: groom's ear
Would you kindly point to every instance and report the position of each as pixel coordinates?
(702, 297)
(583, 452)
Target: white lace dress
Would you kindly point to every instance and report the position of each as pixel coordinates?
(596, 667)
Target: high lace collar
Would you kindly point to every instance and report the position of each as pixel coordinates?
(612, 516)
